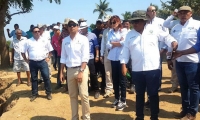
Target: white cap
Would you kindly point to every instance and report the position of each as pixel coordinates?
(99, 20)
(56, 27)
(106, 18)
(83, 25)
(41, 25)
(73, 20)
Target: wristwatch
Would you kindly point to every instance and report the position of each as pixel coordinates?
(81, 70)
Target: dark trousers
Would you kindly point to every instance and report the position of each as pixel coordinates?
(129, 67)
(100, 69)
(55, 58)
(119, 81)
(188, 76)
(58, 75)
(35, 66)
(147, 80)
(93, 76)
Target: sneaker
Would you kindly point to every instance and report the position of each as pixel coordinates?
(49, 97)
(96, 95)
(172, 90)
(180, 115)
(115, 103)
(33, 97)
(188, 117)
(40, 81)
(132, 89)
(121, 105)
(107, 94)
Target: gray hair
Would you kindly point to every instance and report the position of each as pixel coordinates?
(18, 30)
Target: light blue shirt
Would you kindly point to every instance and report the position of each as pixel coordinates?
(13, 34)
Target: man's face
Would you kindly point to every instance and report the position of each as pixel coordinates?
(184, 15)
(151, 12)
(19, 34)
(138, 25)
(84, 31)
(16, 27)
(72, 27)
(126, 25)
(36, 33)
(56, 31)
(41, 30)
(99, 25)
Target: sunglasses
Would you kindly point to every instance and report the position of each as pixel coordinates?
(153, 10)
(36, 31)
(135, 21)
(113, 22)
(72, 25)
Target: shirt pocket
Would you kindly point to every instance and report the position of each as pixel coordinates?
(190, 35)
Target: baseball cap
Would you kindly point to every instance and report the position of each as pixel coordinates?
(106, 18)
(83, 25)
(73, 20)
(185, 8)
(82, 20)
(66, 20)
(99, 20)
(56, 27)
(41, 25)
(139, 14)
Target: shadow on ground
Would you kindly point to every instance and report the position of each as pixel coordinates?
(47, 118)
(108, 116)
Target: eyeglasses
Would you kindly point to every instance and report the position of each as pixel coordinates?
(36, 31)
(135, 21)
(113, 22)
(153, 10)
(72, 25)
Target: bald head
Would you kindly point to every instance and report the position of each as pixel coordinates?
(151, 12)
(18, 33)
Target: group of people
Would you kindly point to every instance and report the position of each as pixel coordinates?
(110, 51)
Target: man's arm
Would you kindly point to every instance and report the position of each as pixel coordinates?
(8, 32)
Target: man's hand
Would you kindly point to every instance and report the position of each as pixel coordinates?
(8, 30)
(177, 54)
(170, 64)
(61, 78)
(96, 59)
(124, 70)
(79, 77)
(47, 59)
(174, 45)
(101, 59)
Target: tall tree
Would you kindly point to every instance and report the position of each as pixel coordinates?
(102, 8)
(23, 6)
(126, 15)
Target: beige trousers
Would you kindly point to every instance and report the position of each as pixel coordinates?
(76, 88)
(174, 79)
(108, 70)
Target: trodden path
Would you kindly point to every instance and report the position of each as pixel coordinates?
(59, 107)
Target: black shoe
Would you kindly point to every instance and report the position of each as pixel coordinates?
(40, 81)
(33, 97)
(96, 95)
(132, 89)
(49, 97)
(181, 115)
(115, 103)
(58, 87)
(139, 118)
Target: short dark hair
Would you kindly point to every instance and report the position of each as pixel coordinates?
(16, 25)
(34, 28)
(125, 21)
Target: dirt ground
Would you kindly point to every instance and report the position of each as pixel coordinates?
(20, 107)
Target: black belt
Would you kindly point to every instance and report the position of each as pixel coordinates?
(36, 60)
(74, 67)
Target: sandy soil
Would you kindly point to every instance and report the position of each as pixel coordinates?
(59, 107)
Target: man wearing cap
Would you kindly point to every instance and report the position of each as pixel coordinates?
(37, 48)
(94, 48)
(104, 59)
(75, 55)
(187, 65)
(57, 48)
(142, 45)
(65, 31)
(100, 70)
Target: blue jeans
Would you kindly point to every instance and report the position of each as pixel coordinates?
(35, 66)
(147, 80)
(188, 76)
(58, 75)
(119, 81)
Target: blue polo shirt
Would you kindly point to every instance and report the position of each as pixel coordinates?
(197, 45)
(93, 43)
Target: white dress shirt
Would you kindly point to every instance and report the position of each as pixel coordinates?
(113, 36)
(186, 35)
(17, 46)
(104, 50)
(143, 48)
(75, 51)
(37, 49)
(170, 23)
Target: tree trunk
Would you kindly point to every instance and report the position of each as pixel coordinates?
(4, 50)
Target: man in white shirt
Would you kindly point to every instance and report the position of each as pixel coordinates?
(75, 55)
(142, 45)
(12, 34)
(187, 65)
(104, 59)
(19, 62)
(37, 48)
(170, 22)
(126, 25)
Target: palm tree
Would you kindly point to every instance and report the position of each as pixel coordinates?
(126, 15)
(102, 8)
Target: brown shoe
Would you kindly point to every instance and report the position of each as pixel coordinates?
(172, 90)
(188, 117)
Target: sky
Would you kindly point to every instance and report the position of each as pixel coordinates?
(45, 12)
